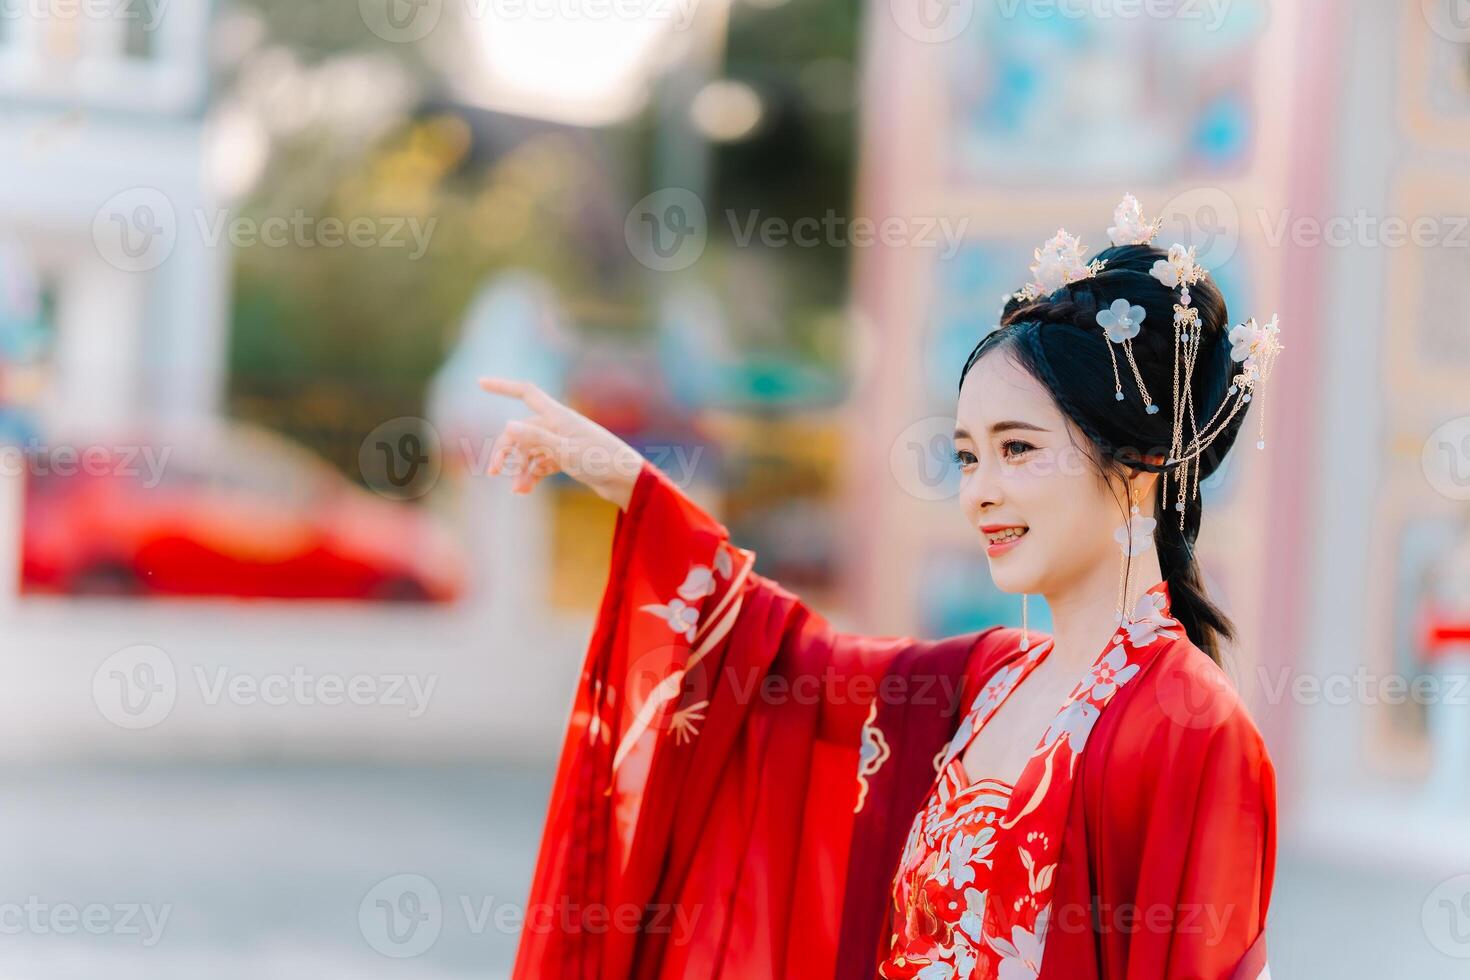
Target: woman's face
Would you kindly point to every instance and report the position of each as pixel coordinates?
(1023, 466)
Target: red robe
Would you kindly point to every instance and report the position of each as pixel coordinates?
(708, 817)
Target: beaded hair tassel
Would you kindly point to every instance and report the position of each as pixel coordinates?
(1254, 347)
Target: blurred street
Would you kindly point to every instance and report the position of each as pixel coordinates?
(228, 681)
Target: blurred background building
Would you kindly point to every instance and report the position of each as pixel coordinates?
(286, 674)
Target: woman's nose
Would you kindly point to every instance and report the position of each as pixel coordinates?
(980, 490)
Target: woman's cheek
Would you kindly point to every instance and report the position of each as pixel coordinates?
(1036, 470)
(1041, 463)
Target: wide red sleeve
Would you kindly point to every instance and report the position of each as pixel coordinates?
(704, 804)
(1179, 831)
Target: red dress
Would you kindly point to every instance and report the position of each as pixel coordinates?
(739, 778)
(941, 887)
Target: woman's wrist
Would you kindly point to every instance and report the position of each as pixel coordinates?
(624, 467)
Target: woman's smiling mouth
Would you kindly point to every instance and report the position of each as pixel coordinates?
(1001, 538)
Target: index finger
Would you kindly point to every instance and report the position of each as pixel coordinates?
(526, 391)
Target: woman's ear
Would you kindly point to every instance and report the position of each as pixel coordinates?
(1139, 485)
(1147, 491)
(1148, 481)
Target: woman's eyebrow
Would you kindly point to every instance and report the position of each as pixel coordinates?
(1001, 427)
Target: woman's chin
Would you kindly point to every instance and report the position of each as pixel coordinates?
(1011, 580)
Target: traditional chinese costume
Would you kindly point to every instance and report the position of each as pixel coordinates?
(745, 792)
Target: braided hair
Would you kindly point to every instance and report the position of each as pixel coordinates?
(1057, 339)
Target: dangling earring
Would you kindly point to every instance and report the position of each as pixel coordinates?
(1134, 537)
(1025, 632)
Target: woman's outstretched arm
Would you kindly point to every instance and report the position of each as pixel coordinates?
(839, 668)
(719, 747)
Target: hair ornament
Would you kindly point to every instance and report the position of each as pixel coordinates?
(1121, 322)
(1185, 317)
(1058, 263)
(1253, 346)
(1129, 226)
(1180, 270)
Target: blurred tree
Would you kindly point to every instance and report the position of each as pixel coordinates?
(330, 341)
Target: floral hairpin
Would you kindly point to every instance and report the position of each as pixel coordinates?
(1129, 226)
(1058, 263)
(1121, 323)
(1180, 270)
(1255, 347)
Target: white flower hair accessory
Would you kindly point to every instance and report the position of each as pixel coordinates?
(1251, 344)
(1180, 270)
(1129, 226)
(1058, 263)
(1121, 323)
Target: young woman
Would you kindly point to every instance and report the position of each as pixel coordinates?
(746, 792)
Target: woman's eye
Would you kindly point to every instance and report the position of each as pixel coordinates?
(1012, 448)
(963, 458)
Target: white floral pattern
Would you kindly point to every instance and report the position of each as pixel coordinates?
(994, 692)
(1110, 673)
(700, 581)
(1150, 621)
(973, 921)
(1075, 722)
(681, 617)
(1021, 957)
(951, 841)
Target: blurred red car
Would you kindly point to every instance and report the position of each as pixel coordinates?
(228, 510)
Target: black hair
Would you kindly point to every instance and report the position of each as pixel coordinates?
(1057, 339)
